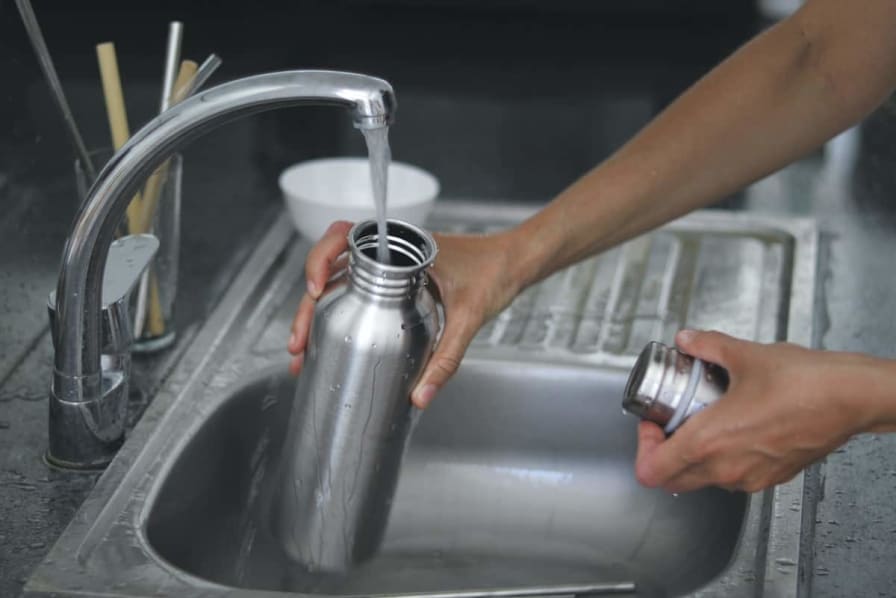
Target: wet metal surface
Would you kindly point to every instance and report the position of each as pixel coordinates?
(500, 489)
(849, 190)
(553, 497)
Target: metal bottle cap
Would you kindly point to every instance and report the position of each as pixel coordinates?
(667, 386)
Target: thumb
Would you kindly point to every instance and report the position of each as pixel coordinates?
(323, 256)
(650, 437)
(711, 346)
(444, 362)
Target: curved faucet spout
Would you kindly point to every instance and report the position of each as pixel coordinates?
(77, 376)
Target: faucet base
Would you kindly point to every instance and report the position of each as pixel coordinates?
(55, 464)
(88, 434)
(157, 343)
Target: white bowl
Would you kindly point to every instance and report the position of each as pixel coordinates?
(319, 192)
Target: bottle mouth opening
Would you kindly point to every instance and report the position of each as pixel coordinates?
(410, 248)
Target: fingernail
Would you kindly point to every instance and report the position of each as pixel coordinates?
(292, 340)
(312, 288)
(424, 396)
(685, 336)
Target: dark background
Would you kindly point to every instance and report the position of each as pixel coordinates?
(499, 99)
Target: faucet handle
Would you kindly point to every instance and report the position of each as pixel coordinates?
(127, 259)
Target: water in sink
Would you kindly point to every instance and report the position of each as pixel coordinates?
(519, 475)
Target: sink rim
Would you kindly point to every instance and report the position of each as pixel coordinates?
(473, 371)
(110, 504)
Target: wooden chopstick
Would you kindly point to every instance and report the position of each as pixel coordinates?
(155, 320)
(141, 210)
(118, 117)
(154, 184)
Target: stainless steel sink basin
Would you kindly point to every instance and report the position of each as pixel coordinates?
(517, 477)
(518, 480)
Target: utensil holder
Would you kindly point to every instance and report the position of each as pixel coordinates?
(153, 304)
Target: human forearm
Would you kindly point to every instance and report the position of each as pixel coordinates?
(778, 97)
(863, 384)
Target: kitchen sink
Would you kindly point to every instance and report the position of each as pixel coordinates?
(516, 477)
(518, 480)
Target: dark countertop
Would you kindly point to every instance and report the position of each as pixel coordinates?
(849, 192)
(463, 117)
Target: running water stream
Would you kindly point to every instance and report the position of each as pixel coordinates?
(379, 155)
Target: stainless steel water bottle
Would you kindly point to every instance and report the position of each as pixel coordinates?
(667, 386)
(373, 331)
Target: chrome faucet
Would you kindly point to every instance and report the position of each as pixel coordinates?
(85, 425)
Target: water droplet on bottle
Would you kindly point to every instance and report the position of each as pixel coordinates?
(373, 346)
(348, 339)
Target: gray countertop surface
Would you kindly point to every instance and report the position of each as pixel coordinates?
(856, 523)
(849, 192)
(849, 188)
